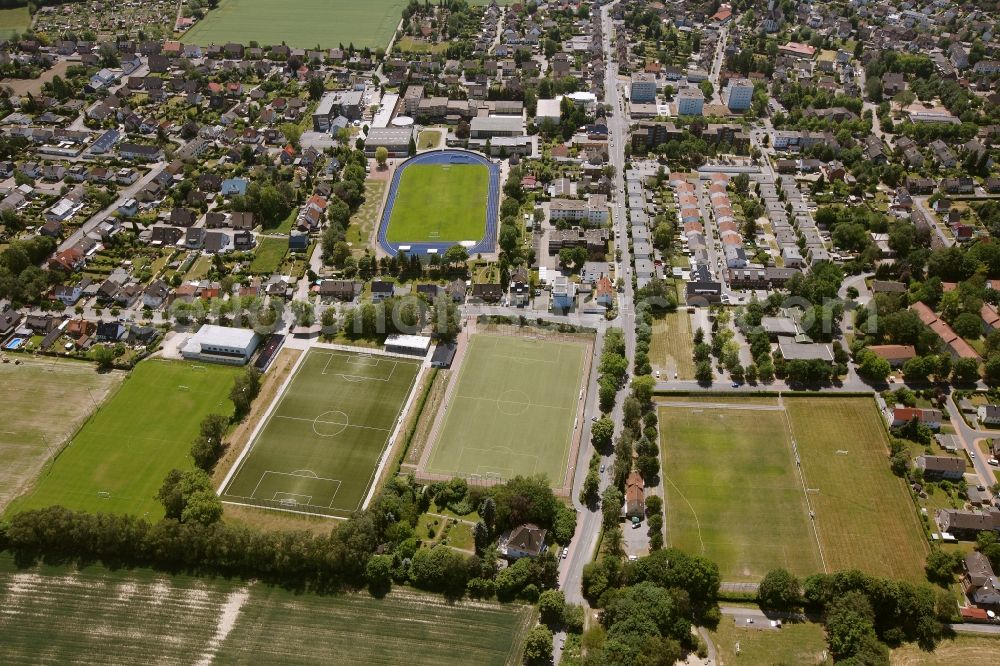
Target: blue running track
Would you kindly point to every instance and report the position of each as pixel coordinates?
(486, 244)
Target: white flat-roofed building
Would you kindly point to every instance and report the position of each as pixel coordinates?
(690, 101)
(221, 344)
(739, 94)
(487, 127)
(396, 140)
(593, 212)
(548, 109)
(415, 345)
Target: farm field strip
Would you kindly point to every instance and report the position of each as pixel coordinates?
(140, 616)
(299, 23)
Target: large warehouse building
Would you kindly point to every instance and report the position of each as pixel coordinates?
(395, 139)
(221, 344)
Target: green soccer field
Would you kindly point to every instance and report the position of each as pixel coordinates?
(732, 492)
(864, 514)
(440, 203)
(512, 411)
(118, 460)
(320, 447)
(299, 23)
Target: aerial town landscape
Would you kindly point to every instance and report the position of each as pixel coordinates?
(494, 332)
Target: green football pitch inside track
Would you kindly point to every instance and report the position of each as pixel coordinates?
(320, 447)
(117, 462)
(440, 202)
(513, 409)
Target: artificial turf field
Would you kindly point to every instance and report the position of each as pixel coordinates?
(118, 460)
(318, 450)
(865, 516)
(63, 615)
(299, 23)
(512, 410)
(440, 203)
(732, 493)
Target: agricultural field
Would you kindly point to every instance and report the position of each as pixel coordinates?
(512, 409)
(14, 21)
(864, 514)
(318, 450)
(672, 347)
(729, 476)
(962, 649)
(140, 616)
(440, 203)
(52, 400)
(795, 643)
(299, 23)
(269, 255)
(118, 460)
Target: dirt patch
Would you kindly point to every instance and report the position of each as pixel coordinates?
(228, 615)
(22, 87)
(277, 521)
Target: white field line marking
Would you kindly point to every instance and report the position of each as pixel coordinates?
(349, 425)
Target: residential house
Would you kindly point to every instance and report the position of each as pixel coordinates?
(941, 467)
(527, 540)
(928, 417)
(979, 582)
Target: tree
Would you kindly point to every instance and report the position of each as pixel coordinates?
(316, 87)
(538, 647)
(192, 490)
(591, 488)
(873, 366)
(203, 507)
(965, 370)
(601, 433)
(703, 372)
(779, 590)
(381, 155)
(611, 506)
(292, 133)
(378, 574)
(643, 387)
(105, 357)
(551, 604)
(941, 566)
(209, 445)
(455, 255)
(968, 325)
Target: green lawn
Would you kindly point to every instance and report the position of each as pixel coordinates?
(795, 643)
(14, 21)
(732, 492)
(137, 616)
(440, 203)
(428, 139)
(864, 514)
(53, 399)
(299, 23)
(512, 410)
(319, 449)
(269, 255)
(365, 218)
(119, 459)
(671, 349)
